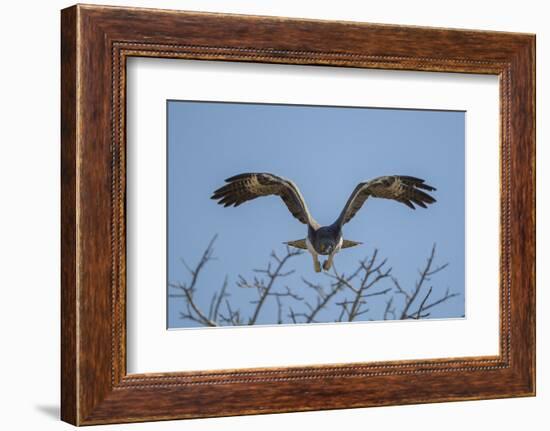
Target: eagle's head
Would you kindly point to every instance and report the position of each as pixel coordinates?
(326, 247)
(326, 240)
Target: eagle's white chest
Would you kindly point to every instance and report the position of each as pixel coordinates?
(339, 246)
(310, 248)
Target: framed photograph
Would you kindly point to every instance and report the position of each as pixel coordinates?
(264, 214)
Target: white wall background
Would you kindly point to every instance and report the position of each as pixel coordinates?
(29, 214)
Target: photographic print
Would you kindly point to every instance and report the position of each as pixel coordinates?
(305, 214)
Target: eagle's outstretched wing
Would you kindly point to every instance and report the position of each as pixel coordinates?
(245, 187)
(404, 189)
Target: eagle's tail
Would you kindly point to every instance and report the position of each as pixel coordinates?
(299, 243)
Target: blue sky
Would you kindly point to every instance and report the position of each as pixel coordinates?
(326, 151)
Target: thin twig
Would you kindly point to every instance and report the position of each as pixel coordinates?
(272, 275)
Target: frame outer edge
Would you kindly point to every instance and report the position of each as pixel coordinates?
(531, 79)
(533, 54)
(523, 217)
(528, 61)
(88, 396)
(69, 202)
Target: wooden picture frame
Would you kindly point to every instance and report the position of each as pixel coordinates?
(95, 43)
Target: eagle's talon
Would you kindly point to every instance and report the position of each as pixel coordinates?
(326, 265)
(317, 266)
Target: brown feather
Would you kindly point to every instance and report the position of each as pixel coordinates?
(248, 186)
(348, 243)
(299, 243)
(402, 188)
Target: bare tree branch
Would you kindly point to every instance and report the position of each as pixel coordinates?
(410, 298)
(389, 310)
(322, 298)
(423, 276)
(193, 311)
(265, 289)
(368, 268)
(361, 284)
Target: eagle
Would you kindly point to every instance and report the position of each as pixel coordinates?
(323, 240)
